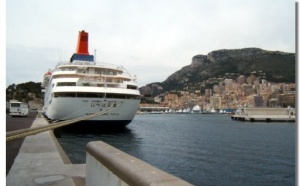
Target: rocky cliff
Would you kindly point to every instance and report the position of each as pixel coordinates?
(277, 66)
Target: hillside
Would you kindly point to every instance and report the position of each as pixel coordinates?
(29, 92)
(277, 67)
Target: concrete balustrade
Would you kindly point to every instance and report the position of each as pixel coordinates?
(108, 166)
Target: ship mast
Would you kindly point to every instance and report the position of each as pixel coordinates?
(95, 55)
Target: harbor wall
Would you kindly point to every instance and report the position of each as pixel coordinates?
(106, 165)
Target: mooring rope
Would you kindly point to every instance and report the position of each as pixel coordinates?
(31, 131)
(73, 114)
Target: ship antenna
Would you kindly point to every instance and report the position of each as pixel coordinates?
(95, 55)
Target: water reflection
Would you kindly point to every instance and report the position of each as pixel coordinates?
(74, 141)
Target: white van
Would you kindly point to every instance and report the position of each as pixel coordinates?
(17, 108)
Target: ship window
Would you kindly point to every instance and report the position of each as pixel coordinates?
(133, 97)
(15, 104)
(70, 94)
(56, 95)
(117, 96)
(131, 87)
(64, 94)
(81, 95)
(122, 96)
(94, 95)
(109, 85)
(98, 71)
(66, 84)
(89, 95)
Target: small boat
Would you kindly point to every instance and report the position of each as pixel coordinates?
(196, 109)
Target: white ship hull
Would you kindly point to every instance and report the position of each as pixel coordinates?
(74, 108)
(115, 112)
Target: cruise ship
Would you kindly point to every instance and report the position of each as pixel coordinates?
(94, 92)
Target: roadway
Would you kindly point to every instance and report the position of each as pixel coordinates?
(38, 159)
(13, 146)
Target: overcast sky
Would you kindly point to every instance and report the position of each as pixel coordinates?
(150, 38)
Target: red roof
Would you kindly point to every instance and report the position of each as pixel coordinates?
(48, 73)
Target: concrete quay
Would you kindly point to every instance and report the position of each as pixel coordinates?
(41, 161)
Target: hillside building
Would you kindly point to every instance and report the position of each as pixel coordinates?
(258, 101)
(228, 83)
(241, 79)
(247, 89)
(208, 93)
(216, 89)
(286, 100)
(216, 101)
(286, 89)
(251, 79)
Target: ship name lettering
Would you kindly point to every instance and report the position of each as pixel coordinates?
(114, 114)
(103, 104)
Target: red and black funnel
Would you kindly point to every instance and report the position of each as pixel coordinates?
(82, 53)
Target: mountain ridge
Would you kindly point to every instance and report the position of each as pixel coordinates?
(278, 66)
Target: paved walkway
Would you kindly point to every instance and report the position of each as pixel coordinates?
(41, 161)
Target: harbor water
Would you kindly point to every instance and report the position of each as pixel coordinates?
(203, 149)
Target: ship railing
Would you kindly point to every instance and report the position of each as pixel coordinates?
(97, 64)
(125, 73)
